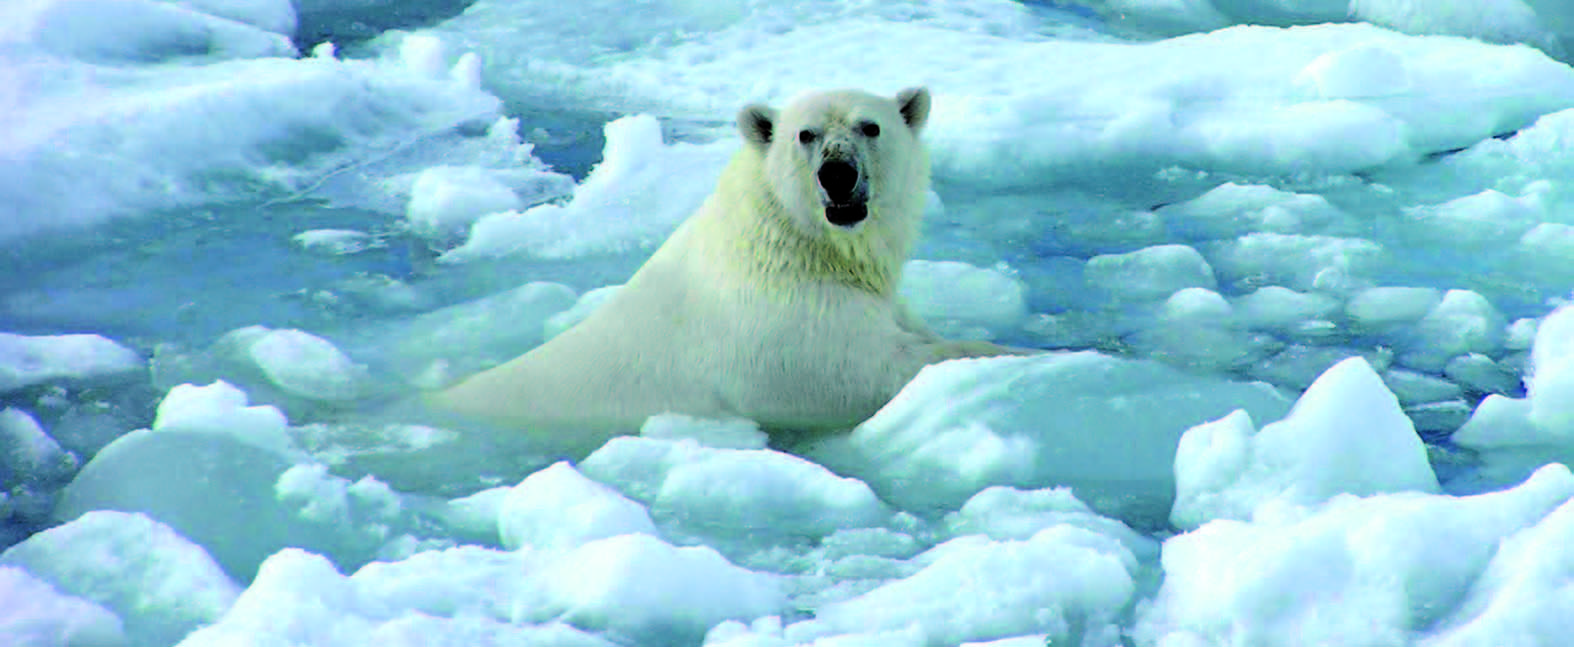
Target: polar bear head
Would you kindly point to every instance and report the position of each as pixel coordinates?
(841, 161)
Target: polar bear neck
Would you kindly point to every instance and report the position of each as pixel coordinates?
(781, 254)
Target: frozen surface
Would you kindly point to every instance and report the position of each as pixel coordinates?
(1325, 98)
(184, 135)
(220, 408)
(1106, 426)
(1522, 596)
(719, 434)
(1464, 322)
(1346, 434)
(298, 598)
(1302, 262)
(29, 454)
(1353, 571)
(161, 585)
(242, 475)
(241, 469)
(25, 361)
(278, 16)
(449, 343)
(37, 614)
(631, 193)
(960, 301)
(1231, 209)
(558, 507)
(760, 492)
(646, 590)
(231, 265)
(1283, 309)
(1151, 273)
(1197, 327)
(301, 363)
(1504, 21)
(1377, 308)
(1007, 588)
(1002, 513)
(1547, 24)
(145, 31)
(337, 242)
(1552, 370)
(1517, 435)
(446, 200)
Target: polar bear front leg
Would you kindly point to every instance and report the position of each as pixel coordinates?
(961, 349)
(910, 322)
(939, 350)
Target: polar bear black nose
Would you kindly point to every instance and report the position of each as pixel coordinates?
(839, 179)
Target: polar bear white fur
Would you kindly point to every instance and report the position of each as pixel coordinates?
(774, 302)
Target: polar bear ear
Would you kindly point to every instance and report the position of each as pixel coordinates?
(914, 104)
(757, 123)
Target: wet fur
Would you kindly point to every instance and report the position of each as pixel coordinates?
(756, 307)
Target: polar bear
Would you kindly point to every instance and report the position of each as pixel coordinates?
(774, 302)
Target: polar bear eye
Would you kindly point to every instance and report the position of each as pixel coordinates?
(806, 136)
(869, 129)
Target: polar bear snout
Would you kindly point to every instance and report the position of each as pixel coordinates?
(844, 191)
(839, 179)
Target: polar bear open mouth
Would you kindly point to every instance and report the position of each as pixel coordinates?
(846, 215)
(844, 191)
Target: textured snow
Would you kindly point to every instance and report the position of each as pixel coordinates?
(1311, 260)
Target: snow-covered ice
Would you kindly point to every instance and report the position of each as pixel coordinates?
(1306, 264)
(36, 613)
(1463, 323)
(1151, 273)
(960, 301)
(223, 409)
(159, 583)
(629, 190)
(300, 598)
(300, 363)
(185, 134)
(755, 491)
(558, 507)
(1547, 24)
(1375, 570)
(444, 200)
(1044, 583)
(1238, 209)
(1380, 307)
(1001, 513)
(445, 344)
(719, 434)
(335, 241)
(1515, 435)
(1106, 426)
(144, 31)
(1522, 595)
(642, 589)
(31, 455)
(1346, 435)
(26, 361)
